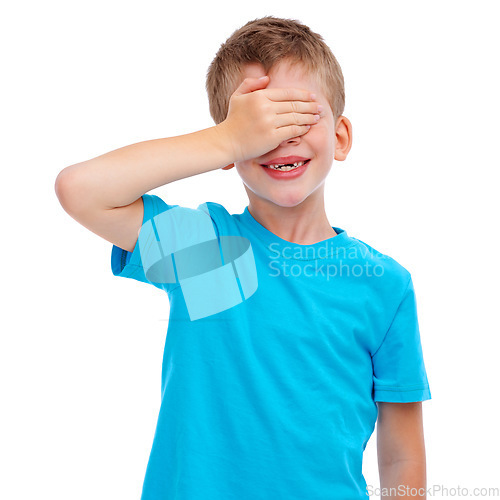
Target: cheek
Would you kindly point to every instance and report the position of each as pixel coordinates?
(242, 165)
(244, 168)
(321, 136)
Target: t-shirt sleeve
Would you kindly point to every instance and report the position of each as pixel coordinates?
(130, 264)
(399, 374)
(171, 246)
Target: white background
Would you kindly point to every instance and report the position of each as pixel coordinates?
(81, 350)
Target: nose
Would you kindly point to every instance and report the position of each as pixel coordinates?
(293, 140)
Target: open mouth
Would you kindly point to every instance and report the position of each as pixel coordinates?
(287, 167)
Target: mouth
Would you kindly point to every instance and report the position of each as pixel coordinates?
(286, 170)
(287, 167)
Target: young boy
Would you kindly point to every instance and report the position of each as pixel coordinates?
(287, 337)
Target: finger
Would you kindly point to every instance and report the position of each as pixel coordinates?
(296, 107)
(286, 133)
(287, 119)
(290, 94)
(251, 84)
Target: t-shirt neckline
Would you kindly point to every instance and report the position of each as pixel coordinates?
(321, 249)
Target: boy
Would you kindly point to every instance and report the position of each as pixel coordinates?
(287, 338)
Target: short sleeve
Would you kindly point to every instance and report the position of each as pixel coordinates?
(130, 264)
(172, 245)
(399, 374)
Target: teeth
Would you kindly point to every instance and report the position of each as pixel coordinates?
(286, 167)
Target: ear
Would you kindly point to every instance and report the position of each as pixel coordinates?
(228, 167)
(344, 138)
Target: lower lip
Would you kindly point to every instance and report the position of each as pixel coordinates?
(291, 174)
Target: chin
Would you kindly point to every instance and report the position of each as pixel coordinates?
(288, 200)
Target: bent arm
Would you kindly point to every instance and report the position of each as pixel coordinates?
(122, 176)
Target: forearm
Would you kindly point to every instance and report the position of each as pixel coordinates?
(120, 177)
(403, 479)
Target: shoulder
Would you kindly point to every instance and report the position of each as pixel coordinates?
(154, 205)
(214, 209)
(390, 273)
(227, 223)
(210, 214)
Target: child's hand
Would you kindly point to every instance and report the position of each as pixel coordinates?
(260, 119)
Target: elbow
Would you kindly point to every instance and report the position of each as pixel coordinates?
(69, 189)
(59, 185)
(62, 187)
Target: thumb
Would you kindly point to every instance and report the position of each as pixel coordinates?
(250, 84)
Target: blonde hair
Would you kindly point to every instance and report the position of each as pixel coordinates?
(269, 41)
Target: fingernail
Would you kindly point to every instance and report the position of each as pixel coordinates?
(320, 108)
(313, 97)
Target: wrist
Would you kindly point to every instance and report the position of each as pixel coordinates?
(225, 143)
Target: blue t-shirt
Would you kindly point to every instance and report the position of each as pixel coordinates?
(271, 373)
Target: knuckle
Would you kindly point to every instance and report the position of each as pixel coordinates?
(265, 119)
(267, 106)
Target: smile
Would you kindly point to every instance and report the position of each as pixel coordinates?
(286, 170)
(286, 167)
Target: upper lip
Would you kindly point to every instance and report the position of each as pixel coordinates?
(284, 160)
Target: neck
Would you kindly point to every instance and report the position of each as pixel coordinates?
(303, 224)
